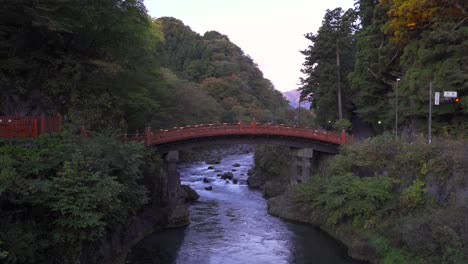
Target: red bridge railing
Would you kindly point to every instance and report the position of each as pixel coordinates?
(162, 136)
(29, 126)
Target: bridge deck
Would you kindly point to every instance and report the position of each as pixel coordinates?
(175, 134)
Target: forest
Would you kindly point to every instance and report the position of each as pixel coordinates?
(380, 58)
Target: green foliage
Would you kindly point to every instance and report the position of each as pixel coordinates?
(416, 41)
(416, 213)
(343, 124)
(271, 160)
(363, 201)
(413, 196)
(439, 235)
(391, 254)
(81, 198)
(61, 191)
(360, 199)
(3, 253)
(222, 71)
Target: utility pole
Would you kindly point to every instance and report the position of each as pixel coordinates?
(299, 113)
(396, 108)
(429, 132)
(340, 110)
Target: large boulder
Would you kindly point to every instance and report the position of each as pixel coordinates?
(189, 194)
(227, 176)
(179, 217)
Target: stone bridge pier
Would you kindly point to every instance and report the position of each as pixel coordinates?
(303, 162)
(173, 179)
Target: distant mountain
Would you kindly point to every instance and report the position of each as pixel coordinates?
(293, 98)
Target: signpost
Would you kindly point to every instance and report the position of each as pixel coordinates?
(436, 98)
(450, 94)
(429, 132)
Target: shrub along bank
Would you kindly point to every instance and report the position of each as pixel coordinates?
(390, 201)
(60, 193)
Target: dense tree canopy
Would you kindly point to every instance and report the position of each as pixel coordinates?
(223, 71)
(417, 42)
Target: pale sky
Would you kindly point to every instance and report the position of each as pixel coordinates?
(271, 32)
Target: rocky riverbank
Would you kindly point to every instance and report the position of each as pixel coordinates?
(285, 207)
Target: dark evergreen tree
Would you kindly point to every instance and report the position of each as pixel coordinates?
(329, 60)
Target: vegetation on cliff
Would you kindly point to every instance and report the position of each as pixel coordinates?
(58, 193)
(406, 201)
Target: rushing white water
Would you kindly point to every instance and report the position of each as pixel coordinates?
(230, 224)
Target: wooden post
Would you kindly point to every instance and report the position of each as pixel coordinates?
(343, 137)
(42, 123)
(147, 136)
(35, 130)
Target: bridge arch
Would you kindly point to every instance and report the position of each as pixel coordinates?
(179, 138)
(306, 144)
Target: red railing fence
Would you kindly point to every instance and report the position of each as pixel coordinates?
(161, 136)
(29, 126)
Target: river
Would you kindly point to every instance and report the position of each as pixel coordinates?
(230, 225)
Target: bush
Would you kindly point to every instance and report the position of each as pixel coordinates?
(362, 200)
(439, 235)
(59, 191)
(413, 196)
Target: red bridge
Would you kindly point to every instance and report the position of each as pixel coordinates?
(187, 136)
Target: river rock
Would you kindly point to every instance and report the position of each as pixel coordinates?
(219, 174)
(227, 182)
(206, 180)
(234, 180)
(209, 188)
(251, 172)
(227, 175)
(236, 165)
(179, 217)
(210, 167)
(189, 194)
(233, 170)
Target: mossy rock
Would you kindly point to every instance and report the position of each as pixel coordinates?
(189, 193)
(227, 176)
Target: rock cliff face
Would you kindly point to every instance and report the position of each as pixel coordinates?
(283, 206)
(156, 216)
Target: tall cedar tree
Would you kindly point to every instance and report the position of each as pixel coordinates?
(323, 75)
